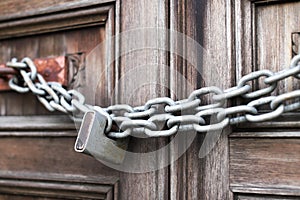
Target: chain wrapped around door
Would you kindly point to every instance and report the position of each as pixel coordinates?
(163, 116)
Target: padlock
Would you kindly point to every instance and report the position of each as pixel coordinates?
(92, 140)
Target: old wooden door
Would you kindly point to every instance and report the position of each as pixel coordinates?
(253, 161)
(37, 159)
(264, 157)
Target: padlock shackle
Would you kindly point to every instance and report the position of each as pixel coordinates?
(85, 129)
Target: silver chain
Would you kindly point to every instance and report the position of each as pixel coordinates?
(164, 116)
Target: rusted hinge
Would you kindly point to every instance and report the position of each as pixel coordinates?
(54, 69)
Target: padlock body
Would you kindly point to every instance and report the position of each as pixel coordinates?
(92, 140)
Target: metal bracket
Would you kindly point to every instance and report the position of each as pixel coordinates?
(54, 69)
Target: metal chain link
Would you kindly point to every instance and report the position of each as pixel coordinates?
(164, 116)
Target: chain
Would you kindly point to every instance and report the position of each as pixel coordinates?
(164, 116)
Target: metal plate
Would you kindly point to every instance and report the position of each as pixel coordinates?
(53, 69)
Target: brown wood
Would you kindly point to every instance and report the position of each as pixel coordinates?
(45, 144)
(45, 149)
(90, 79)
(281, 133)
(261, 154)
(208, 23)
(271, 45)
(56, 186)
(238, 38)
(263, 197)
(56, 22)
(135, 14)
(13, 10)
(37, 126)
(265, 163)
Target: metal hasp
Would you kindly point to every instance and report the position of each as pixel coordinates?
(91, 140)
(54, 69)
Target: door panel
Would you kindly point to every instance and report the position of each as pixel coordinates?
(274, 48)
(42, 29)
(264, 157)
(45, 45)
(265, 39)
(265, 164)
(40, 162)
(26, 185)
(37, 157)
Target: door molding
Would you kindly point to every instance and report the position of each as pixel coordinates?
(37, 126)
(58, 185)
(56, 21)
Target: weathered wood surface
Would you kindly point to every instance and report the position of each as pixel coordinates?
(263, 197)
(190, 177)
(235, 39)
(47, 152)
(264, 156)
(12, 9)
(55, 22)
(264, 45)
(36, 123)
(45, 144)
(265, 163)
(274, 43)
(209, 24)
(55, 186)
(143, 76)
(47, 148)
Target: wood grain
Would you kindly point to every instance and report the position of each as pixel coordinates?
(12, 10)
(237, 37)
(56, 186)
(281, 133)
(263, 197)
(61, 43)
(263, 156)
(264, 46)
(43, 154)
(142, 76)
(55, 22)
(181, 85)
(39, 148)
(265, 163)
(44, 144)
(209, 23)
(274, 43)
(35, 123)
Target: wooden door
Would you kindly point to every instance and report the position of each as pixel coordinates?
(37, 156)
(253, 161)
(37, 159)
(264, 157)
